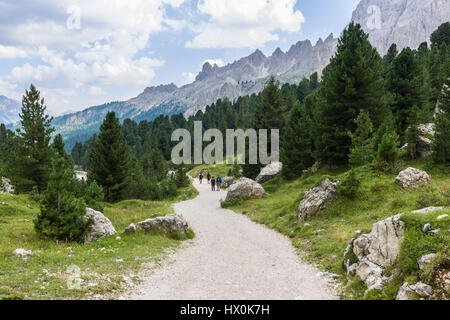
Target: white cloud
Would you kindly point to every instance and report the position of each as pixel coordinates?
(212, 62)
(187, 77)
(96, 91)
(250, 23)
(109, 49)
(8, 52)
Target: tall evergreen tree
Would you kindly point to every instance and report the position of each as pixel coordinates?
(296, 142)
(59, 148)
(268, 115)
(441, 35)
(408, 82)
(361, 151)
(352, 81)
(110, 159)
(441, 145)
(31, 159)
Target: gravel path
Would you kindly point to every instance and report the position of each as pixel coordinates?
(231, 258)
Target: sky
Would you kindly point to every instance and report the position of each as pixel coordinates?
(88, 52)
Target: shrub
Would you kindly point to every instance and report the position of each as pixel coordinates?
(62, 215)
(94, 196)
(350, 184)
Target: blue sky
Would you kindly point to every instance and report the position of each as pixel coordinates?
(104, 50)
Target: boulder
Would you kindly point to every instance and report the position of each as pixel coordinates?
(168, 224)
(425, 259)
(426, 135)
(227, 181)
(316, 199)
(6, 186)
(130, 229)
(101, 226)
(375, 251)
(269, 172)
(413, 178)
(244, 188)
(409, 292)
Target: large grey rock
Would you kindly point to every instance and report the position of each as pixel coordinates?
(425, 259)
(408, 292)
(6, 186)
(413, 178)
(101, 226)
(316, 199)
(269, 172)
(376, 251)
(168, 224)
(244, 188)
(227, 181)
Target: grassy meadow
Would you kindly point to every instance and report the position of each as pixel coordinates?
(107, 267)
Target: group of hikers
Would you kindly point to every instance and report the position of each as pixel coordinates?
(215, 183)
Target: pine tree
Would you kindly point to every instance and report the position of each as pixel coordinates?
(352, 81)
(441, 145)
(59, 148)
(361, 151)
(94, 196)
(110, 159)
(296, 143)
(408, 81)
(62, 215)
(441, 35)
(268, 115)
(31, 159)
(181, 177)
(412, 133)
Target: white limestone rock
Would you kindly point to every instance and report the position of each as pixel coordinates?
(101, 226)
(269, 172)
(316, 199)
(413, 178)
(244, 188)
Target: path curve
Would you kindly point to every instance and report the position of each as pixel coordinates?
(231, 258)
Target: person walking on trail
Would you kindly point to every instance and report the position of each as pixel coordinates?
(208, 177)
(200, 177)
(213, 184)
(219, 183)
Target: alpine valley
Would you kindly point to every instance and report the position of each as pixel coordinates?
(405, 22)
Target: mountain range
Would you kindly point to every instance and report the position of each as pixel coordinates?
(404, 22)
(9, 110)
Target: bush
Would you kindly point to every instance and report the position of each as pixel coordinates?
(350, 184)
(94, 196)
(62, 215)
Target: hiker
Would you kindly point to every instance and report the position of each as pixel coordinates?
(200, 177)
(213, 184)
(208, 177)
(219, 183)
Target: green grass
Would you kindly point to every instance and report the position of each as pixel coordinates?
(215, 170)
(103, 264)
(325, 238)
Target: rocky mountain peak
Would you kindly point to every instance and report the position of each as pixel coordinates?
(407, 23)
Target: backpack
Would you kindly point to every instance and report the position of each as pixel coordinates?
(219, 179)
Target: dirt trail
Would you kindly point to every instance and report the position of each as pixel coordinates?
(231, 258)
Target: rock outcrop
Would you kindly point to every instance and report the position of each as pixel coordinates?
(375, 251)
(425, 260)
(269, 172)
(244, 188)
(23, 253)
(409, 292)
(406, 23)
(6, 186)
(227, 181)
(316, 199)
(167, 224)
(101, 226)
(413, 178)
